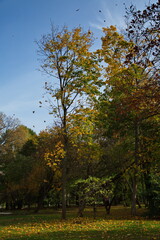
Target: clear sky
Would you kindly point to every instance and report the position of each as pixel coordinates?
(22, 22)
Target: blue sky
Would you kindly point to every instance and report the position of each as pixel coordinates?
(22, 22)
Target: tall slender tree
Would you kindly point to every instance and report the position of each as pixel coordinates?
(74, 70)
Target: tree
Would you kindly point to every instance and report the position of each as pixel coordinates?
(133, 78)
(15, 188)
(15, 167)
(83, 142)
(75, 73)
(7, 126)
(143, 31)
(91, 190)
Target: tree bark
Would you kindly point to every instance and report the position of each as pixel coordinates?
(134, 180)
(64, 191)
(64, 165)
(94, 211)
(134, 195)
(82, 205)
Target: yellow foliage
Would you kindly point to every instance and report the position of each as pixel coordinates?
(54, 158)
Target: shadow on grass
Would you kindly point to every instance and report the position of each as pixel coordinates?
(117, 234)
(117, 213)
(27, 219)
(48, 226)
(50, 215)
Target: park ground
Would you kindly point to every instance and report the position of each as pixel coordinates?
(47, 225)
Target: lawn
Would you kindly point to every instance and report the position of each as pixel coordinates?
(47, 225)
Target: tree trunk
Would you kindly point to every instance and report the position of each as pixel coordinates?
(19, 204)
(40, 198)
(94, 211)
(138, 203)
(64, 191)
(7, 205)
(134, 195)
(134, 180)
(64, 167)
(107, 203)
(82, 205)
(148, 186)
(39, 203)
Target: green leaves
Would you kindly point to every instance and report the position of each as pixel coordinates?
(92, 189)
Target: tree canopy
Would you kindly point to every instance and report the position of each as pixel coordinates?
(103, 147)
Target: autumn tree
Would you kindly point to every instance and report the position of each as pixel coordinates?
(132, 75)
(45, 172)
(83, 141)
(74, 71)
(48, 161)
(143, 31)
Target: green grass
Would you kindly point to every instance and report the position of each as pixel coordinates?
(47, 225)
